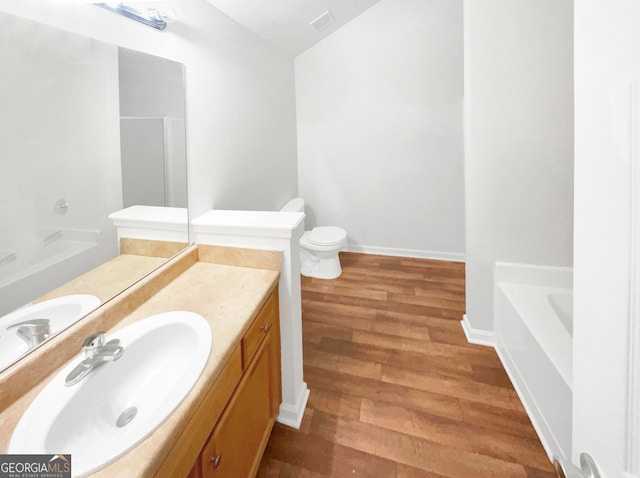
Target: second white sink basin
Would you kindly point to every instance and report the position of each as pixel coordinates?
(61, 312)
(120, 403)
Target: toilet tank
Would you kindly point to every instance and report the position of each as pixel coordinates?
(294, 205)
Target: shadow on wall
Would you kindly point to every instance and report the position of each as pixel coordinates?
(309, 218)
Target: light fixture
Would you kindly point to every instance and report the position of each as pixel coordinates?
(152, 17)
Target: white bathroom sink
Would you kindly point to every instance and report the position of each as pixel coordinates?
(122, 402)
(61, 313)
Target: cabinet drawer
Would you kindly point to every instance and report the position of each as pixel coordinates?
(266, 319)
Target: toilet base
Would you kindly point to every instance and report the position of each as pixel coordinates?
(320, 268)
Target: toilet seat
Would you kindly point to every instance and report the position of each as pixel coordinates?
(326, 235)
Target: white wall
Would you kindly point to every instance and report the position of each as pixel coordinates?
(150, 85)
(241, 139)
(380, 148)
(518, 141)
(607, 62)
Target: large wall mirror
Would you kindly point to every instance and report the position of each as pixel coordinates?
(86, 129)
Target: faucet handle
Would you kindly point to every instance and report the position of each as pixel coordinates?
(32, 331)
(34, 326)
(92, 343)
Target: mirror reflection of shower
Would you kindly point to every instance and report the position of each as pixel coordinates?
(153, 161)
(152, 132)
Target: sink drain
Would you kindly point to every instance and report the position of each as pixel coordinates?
(125, 418)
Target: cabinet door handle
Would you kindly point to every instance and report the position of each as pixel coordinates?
(215, 460)
(265, 328)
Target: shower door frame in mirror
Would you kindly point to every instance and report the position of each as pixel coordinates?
(61, 106)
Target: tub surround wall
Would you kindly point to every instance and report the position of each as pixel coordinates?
(518, 142)
(380, 145)
(184, 283)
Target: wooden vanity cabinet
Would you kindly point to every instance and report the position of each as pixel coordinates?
(237, 442)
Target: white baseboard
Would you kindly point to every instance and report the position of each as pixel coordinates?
(477, 336)
(291, 414)
(416, 253)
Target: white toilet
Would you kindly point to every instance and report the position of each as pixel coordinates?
(319, 247)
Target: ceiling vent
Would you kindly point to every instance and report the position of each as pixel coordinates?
(323, 21)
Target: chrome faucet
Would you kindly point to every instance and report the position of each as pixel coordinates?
(33, 332)
(96, 353)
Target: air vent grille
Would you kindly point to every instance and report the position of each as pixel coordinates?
(323, 21)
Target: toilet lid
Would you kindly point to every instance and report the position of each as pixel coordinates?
(327, 235)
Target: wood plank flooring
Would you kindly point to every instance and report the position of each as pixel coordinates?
(396, 390)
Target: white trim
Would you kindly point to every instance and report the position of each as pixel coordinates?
(630, 475)
(633, 401)
(477, 336)
(151, 217)
(533, 275)
(416, 253)
(152, 222)
(273, 231)
(263, 224)
(291, 415)
(168, 162)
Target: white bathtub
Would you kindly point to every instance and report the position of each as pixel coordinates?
(534, 326)
(36, 266)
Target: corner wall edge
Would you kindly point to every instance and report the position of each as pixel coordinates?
(477, 336)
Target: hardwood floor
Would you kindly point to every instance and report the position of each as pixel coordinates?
(396, 390)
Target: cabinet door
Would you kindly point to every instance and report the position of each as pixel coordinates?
(195, 471)
(235, 448)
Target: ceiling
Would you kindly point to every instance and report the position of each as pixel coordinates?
(285, 23)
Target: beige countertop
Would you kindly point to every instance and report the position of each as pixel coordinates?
(229, 297)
